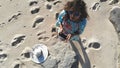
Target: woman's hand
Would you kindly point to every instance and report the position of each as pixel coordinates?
(61, 28)
(68, 37)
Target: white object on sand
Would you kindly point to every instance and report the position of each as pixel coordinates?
(39, 53)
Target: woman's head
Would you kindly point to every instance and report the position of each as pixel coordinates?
(76, 9)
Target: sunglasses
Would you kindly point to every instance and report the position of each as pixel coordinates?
(74, 13)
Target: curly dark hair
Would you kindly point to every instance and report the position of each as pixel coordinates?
(79, 6)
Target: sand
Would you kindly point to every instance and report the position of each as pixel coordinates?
(24, 23)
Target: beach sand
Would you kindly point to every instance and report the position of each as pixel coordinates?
(24, 23)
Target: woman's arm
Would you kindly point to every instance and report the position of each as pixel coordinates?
(60, 18)
(82, 25)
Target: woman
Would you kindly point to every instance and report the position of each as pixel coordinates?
(72, 20)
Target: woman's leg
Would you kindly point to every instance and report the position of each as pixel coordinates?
(75, 38)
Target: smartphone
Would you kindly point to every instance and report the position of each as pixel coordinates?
(62, 35)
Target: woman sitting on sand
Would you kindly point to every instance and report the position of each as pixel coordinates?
(72, 20)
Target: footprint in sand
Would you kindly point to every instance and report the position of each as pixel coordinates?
(34, 9)
(25, 55)
(94, 66)
(48, 6)
(1, 42)
(2, 24)
(14, 16)
(18, 64)
(38, 20)
(1, 50)
(91, 44)
(84, 40)
(103, 0)
(19, 38)
(40, 33)
(42, 36)
(33, 2)
(54, 32)
(3, 56)
(111, 2)
(95, 6)
(50, 0)
(55, 3)
(95, 45)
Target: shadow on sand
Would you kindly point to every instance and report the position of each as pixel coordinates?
(83, 58)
